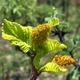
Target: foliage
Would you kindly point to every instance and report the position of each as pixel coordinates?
(24, 38)
(32, 13)
(17, 34)
(24, 12)
(51, 66)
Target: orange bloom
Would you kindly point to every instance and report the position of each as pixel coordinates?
(40, 33)
(63, 60)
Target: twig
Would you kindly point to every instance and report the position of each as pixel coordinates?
(61, 35)
(34, 72)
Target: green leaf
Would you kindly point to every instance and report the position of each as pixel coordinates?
(54, 21)
(65, 24)
(72, 75)
(52, 67)
(76, 40)
(37, 58)
(75, 73)
(17, 34)
(48, 46)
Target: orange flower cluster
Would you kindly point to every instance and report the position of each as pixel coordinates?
(63, 60)
(40, 33)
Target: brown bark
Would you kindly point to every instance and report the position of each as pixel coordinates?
(34, 72)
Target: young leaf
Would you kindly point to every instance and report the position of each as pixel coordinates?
(17, 34)
(47, 46)
(53, 22)
(50, 45)
(52, 67)
(37, 58)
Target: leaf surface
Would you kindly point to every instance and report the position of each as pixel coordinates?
(48, 46)
(52, 67)
(54, 21)
(17, 34)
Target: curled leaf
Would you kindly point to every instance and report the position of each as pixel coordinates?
(52, 67)
(17, 34)
(53, 22)
(48, 46)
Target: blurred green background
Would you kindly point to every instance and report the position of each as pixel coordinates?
(14, 64)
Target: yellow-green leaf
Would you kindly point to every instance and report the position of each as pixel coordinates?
(53, 22)
(17, 34)
(52, 67)
(48, 46)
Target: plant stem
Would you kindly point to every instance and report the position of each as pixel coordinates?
(60, 34)
(34, 72)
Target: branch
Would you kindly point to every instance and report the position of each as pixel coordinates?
(61, 35)
(34, 72)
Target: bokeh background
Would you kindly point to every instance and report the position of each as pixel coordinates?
(14, 64)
